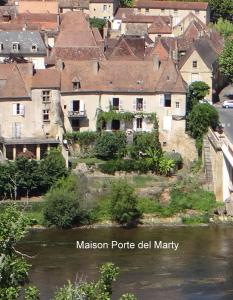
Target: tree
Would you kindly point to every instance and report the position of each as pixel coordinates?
(99, 290)
(124, 203)
(52, 167)
(13, 266)
(201, 117)
(197, 91)
(109, 145)
(224, 27)
(64, 203)
(97, 23)
(127, 3)
(221, 9)
(226, 60)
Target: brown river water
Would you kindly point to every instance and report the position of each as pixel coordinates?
(201, 268)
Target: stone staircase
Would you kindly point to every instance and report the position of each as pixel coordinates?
(207, 163)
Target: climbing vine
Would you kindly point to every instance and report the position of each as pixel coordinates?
(108, 116)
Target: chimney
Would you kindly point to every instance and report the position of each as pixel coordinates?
(60, 65)
(156, 62)
(6, 17)
(95, 66)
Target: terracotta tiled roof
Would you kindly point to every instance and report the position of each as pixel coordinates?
(160, 25)
(38, 6)
(159, 49)
(115, 76)
(101, 1)
(84, 4)
(31, 22)
(76, 40)
(48, 78)
(16, 81)
(126, 48)
(171, 5)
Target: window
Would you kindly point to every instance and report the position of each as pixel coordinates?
(162, 10)
(197, 12)
(75, 105)
(1, 46)
(167, 100)
(46, 96)
(105, 7)
(116, 124)
(139, 123)
(34, 48)
(15, 47)
(194, 64)
(46, 115)
(175, 11)
(76, 85)
(147, 10)
(139, 10)
(177, 104)
(115, 103)
(18, 109)
(139, 104)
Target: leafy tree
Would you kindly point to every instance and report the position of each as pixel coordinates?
(110, 145)
(143, 141)
(99, 290)
(13, 266)
(124, 203)
(221, 9)
(64, 205)
(97, 23)
(197, 91)
(201, 117)
(127, 3)
(224, 27)
(226, 60)
(52, 167)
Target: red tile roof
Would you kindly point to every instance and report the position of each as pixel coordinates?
(171, 5)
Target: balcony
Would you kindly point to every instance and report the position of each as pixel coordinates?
(77, 114)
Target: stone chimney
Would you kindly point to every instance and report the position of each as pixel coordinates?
(95, 66)
(156, 62)
(60, 65)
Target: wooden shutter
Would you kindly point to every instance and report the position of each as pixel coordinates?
(120, 104)
(135, 124)
(81, 107)
(162, 100)
(134, 104)
(22, 110)
(144, 104)
(14, 112)
(71, 106)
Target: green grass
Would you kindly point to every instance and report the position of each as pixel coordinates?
(200, 219)
(141, 181)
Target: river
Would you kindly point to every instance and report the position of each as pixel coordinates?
(201, 268)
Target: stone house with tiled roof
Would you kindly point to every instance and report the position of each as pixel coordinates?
(178, 10)
(29, 110)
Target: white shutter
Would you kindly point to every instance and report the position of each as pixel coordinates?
(81, 107)
(134, 124)
(108, 125)
(120, 105)
(144, 124)
(134, 104)
(122, 125)
(110, 103)
(71, 105)
(14, 109)
(161, 100)
(144, 104)
(22, 110)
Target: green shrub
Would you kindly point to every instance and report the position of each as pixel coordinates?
(176, 157)
(84, 139)
(124, 203)
(142, 141)
(64, 203)
(110, 145)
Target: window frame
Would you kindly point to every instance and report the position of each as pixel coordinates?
(46, 112)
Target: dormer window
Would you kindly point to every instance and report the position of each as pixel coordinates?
(34, 48)
(15, 47)
(76, 84)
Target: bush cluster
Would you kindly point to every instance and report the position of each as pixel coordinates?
(28, 177)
